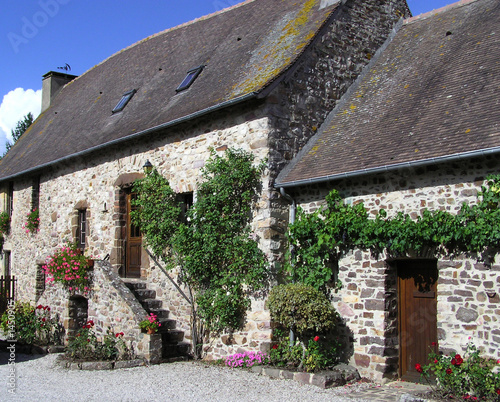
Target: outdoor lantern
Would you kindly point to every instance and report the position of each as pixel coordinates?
(148, 167)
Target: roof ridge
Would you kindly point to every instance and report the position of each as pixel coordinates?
(184, 24)
(448, 7)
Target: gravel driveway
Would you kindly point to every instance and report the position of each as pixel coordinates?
(38, 378)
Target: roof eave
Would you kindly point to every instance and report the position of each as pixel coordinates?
(389, 168)
(222, 105)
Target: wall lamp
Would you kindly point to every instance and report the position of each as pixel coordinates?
(148, 167)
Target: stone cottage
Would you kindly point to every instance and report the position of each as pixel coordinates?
(261, 76)
(420, 128)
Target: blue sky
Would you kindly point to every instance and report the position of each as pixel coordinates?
(37, 36)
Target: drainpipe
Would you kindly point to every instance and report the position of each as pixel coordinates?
(293, 208)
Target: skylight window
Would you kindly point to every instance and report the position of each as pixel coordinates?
(124, 100)
(190, 77)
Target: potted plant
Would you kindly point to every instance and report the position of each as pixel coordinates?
(151, 324)
(70, 268)
(32, 222)
(4, 222)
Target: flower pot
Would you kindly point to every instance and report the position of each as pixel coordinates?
(151, 331)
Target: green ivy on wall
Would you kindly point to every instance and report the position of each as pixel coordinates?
(217, 256)
(321, 238)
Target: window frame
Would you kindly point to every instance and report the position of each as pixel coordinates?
(10, 198)
(35, 193)
(190, 77)
(124, 100)
(81, 229)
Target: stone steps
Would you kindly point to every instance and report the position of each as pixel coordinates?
(173, 346)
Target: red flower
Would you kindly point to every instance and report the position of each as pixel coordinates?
(498, 391)
(433, 343)
(43, 319)
(39, 306)
(459, 360)
(316, 338)
(435, 360)
(121, 333)
(453, 362)
(275, 346)
(449, 371)
(418, 367)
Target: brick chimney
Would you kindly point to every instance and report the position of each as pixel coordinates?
(52, 83)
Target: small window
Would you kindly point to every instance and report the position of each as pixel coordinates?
(124, 100)
(10, 198)
(185, 201)
(81, 231)
(35, 193)
(190, 77)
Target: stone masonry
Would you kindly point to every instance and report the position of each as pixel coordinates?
(273, 128)
(468, 299)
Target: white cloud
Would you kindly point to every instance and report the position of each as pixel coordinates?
(15, 105)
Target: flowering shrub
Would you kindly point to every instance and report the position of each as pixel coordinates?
(33, 324)
(32, 222)
(70, 268)
(246, 359)
(150, 323)
(86, 346)
(469, 377)
(4, 222)
(318, 355)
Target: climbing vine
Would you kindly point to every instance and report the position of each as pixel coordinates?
(217, 256)
(321, 238)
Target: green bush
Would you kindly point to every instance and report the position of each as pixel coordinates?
(303, 309)
(467, 377)
(4, 222)
(85, 345)
(32, 325)
(319, 354)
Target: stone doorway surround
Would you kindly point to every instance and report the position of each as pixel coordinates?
(122, 186)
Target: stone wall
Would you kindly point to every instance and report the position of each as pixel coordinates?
(274, 128)
(111, 305)
(468, 292)
(94, 182)
(310, 91)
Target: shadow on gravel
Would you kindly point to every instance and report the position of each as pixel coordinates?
(18, 353)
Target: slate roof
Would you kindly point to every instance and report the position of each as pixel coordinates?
(433, 93)
(244, 49)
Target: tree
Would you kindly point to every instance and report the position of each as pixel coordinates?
(218, 258)
(21, 126)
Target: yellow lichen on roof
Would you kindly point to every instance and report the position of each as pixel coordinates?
(277, 49)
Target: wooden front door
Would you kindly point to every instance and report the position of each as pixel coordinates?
(133, 244)
(417, 294)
